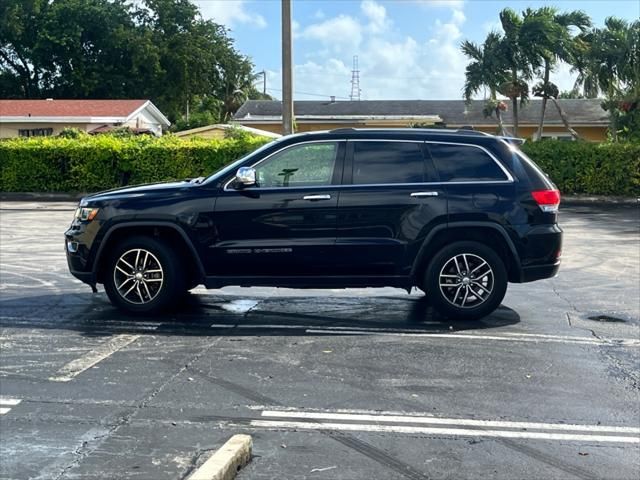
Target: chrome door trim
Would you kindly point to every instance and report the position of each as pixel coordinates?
(424, 194)
(316, 197)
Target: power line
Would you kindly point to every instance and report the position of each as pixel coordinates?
(311, 94)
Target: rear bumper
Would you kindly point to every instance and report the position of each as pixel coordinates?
(539, 272)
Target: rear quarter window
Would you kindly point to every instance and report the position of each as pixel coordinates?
(462, 163)
(380, 162)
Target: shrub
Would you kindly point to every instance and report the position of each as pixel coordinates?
(92, 163)
(589, 168)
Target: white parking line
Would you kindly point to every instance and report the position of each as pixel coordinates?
(446, 421)
(413, 332)
(275, 424)
(511, 338)
(7, 403)
(92, 357)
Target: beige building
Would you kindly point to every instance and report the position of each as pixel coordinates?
(586, 116)
(33, 118)
(219, 130)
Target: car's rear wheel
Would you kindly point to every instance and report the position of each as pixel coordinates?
(466, 280)
(143, 276)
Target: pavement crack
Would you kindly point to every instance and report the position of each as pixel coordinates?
(87, 447)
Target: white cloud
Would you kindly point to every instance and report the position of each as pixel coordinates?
(230, 13)
(453, 4)
(341, 33)
(393, 65)
(376, 14)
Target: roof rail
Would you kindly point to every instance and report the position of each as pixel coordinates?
(443, 131)
(343, 130)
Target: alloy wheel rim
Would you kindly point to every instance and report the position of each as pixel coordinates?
(466, 280)
(138, 276)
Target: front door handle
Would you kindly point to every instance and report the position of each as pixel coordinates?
(424, 194)
(316, 197)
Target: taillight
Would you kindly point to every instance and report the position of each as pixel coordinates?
(548, 200)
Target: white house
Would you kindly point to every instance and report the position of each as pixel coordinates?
(32, 118)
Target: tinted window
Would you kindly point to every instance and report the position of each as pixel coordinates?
(458, 163)
(303, 165)
(387, 162)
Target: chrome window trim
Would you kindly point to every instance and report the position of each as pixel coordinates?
(341, 186)
(310, 142)
(491, 155)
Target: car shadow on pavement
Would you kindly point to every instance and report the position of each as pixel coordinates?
(239, 315)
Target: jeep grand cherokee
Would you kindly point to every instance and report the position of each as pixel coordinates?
(456, 213)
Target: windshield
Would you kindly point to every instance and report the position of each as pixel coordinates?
(234, 165)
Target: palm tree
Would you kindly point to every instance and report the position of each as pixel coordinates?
(549, 35)
(610, 65)
(519, 62)
(485, 71)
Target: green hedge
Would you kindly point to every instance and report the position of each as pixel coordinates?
(93, 163)
(589, 168)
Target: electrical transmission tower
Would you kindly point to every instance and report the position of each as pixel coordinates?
(355, 81)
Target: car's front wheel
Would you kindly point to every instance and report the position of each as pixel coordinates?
(143, 275)
(466, 280)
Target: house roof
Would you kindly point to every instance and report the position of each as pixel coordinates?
(227, 126)
(69, 108)
(90, 111)
(452, 112)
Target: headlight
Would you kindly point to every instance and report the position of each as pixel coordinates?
(86, 214)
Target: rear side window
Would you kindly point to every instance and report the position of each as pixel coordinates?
(388, 162)
(460, 163)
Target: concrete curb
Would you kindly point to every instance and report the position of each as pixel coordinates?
(225, 463)
(598, 199)
(40, 197)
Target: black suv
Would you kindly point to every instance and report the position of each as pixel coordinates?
(455, 213)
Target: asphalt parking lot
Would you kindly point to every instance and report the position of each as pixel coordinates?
(338, 384)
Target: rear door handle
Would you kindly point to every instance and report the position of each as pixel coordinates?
(424, 194)
(316, 197)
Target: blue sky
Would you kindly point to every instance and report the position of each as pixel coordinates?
(407, 49)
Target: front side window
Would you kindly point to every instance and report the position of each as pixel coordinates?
(303, 165)
(461, 163)
(387, 162)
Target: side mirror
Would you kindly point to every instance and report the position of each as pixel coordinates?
(245, 177)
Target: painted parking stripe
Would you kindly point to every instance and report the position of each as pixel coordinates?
(92, 357)
(578, 341)
(446, 421)
(355, 427)
(7, 403)
(504, 336)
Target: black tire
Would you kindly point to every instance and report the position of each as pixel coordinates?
(475, 295)
(158, 284)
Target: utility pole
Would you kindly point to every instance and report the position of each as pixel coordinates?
(287, 70)
(264, 82)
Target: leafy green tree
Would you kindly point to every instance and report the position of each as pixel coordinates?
(158, 49)
(610, 66)
(485, 71)
(519, 60)
(548, 34)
